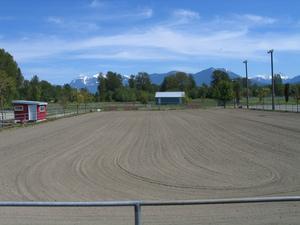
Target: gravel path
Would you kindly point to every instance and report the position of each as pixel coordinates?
(169, 155)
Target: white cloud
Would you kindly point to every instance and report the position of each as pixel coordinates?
(130, 54)
(146, 12)
(79, 26)
(259, 19)
(96, 3)
(254, 20)
(54, 19)
(186, 14)
(162, 42)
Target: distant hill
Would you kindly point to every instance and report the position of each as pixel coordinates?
(261, 80)
(157, 78)
(202, 77)
(205, 76)
(294, 80)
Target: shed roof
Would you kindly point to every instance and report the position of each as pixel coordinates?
(29, 102)
(170, 94)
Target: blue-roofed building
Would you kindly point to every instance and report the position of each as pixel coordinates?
(169, 97)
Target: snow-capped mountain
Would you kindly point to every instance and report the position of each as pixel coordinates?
(84, 81)
(260, 80)
(266, 80)
(202, 77)
(91, 82)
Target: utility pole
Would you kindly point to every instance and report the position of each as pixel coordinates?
(247, 88)
(273, 83)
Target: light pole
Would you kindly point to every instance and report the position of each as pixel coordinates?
(247, 88)
(273, 83)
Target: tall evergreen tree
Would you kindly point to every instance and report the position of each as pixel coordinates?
(131, 82)
(278, 85)
(9, 65)
(34, 89)
(143, 82)
(286, 92)
(7, 86)
(113, 81)
(102, 88)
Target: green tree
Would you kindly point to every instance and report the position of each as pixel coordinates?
(143, 97)
(47, 91)
(102, 88)
(9, 65)
(113, 81)
(286, 92)
(96, 96)
(223, 91)
(192, 82)
(131, 82)
(24, 90)
(7, 86)
(57, 92)
(125, 95)
(142, 82)
(203, 91)
(193, 93)
(86, 97)
(278, 86)
(295, 92)
(218, 76)
(79, 100)
(222, 87)
(69, 92)
(237, 91)
(262, 93)
(63, 102)
(34, 89)
(180, 81)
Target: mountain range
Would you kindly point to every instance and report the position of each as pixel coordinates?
(204, 76)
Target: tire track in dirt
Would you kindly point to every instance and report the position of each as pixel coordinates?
(187, 154)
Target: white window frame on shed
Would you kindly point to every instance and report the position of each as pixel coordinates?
(42, 108)
(18, 108)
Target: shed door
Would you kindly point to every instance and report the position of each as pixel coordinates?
(32, 112)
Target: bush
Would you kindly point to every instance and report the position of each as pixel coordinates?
(143, 97)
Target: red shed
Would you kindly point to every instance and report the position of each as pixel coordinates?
(29, 110)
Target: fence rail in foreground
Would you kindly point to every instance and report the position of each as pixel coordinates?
(138, 204)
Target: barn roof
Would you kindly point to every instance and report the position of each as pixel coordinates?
(29, 102)
(170, 94)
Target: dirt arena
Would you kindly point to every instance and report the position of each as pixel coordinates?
(157, 155)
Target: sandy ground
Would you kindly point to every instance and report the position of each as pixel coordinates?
(169, 155)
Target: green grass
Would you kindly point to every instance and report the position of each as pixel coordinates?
(55, 108)
(268, 100)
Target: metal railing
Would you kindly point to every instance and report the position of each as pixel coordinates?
(138, 204)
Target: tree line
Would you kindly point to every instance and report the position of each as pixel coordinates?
(139, 87)
(225, 89)
(14, 86)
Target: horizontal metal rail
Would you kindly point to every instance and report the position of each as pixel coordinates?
(138, 204)
(151, 203)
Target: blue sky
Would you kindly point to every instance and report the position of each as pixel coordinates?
(58, 40)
